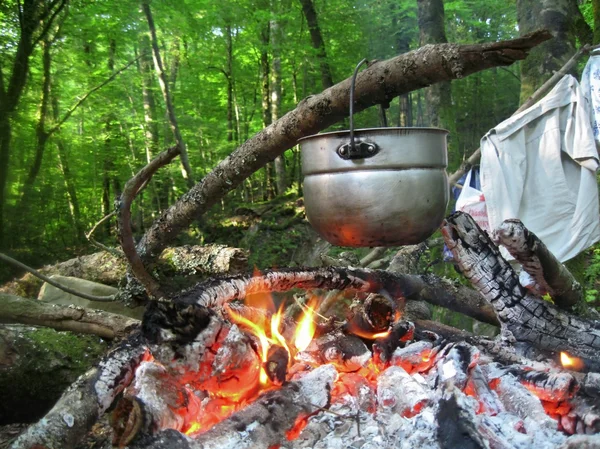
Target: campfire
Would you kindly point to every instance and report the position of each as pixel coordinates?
(220, 366)
(368, 380)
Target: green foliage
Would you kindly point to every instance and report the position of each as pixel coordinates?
(591, 279)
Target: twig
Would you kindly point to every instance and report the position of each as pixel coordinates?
(537, 95)
(54, 283)
(132, 188)
(115, 252)
(90, 92)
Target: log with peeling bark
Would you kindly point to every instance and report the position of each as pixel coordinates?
(217, 292)
(86, 400)
(523, 317)
(379, 84)
(15, 309)
(549, 274)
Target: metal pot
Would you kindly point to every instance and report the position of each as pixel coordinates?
(375, 187)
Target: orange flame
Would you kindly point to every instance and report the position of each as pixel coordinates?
(306, 327)
(569, 362)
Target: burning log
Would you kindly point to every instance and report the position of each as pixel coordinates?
(414, 358)
(86, 400)
(346, 352)
(265, 423)
(524, 318)
(549, 274)
(375, 315)
(453, 363)
(457, 425)
(548, 386)
(385, 345)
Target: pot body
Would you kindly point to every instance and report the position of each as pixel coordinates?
(396, 194)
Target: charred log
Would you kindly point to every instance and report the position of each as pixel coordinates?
(524, 318)
(549, 274)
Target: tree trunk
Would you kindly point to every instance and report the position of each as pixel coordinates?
(68, 177)
(33, 16)
(563, 19)
(432, 31)
(231, 130)
(269, 187)
(280, 175)
(186, 169)
(378, 84)
(308, 8)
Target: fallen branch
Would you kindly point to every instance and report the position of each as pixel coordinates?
(523, 317)
(115, 252)
(378, 84)
(54, 283)
(549, 274)
(15, 309)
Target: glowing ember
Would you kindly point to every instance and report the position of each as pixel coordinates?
(569, 362)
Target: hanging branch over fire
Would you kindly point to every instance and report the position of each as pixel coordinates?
(549, 274)
(523, 317)
(378, 84)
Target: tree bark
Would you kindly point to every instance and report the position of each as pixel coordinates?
(379, 83)
(523, 317)
(164, 85)
(561, 18)
(265, 70)
(432, 31)
(308, 8)
(14, 309)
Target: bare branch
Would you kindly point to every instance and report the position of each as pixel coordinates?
(54, 283)
(115, 252)
(133, 187)
(86, 96)
(48, 24)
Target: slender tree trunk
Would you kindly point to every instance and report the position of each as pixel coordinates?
(563, 19)
(308, 8)
(400, 22)
(231, 130)
(269, 188)
(186, 169)
(280, 175)
(159, 186)
(67, 176)
(432, 31)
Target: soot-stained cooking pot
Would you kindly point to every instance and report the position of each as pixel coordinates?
(391, 189)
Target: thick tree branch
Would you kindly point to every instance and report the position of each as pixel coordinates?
(15, 309)
(378, 84)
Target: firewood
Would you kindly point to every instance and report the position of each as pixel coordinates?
(261, 425)
(524, 318)
(398, 392)
(537, 260)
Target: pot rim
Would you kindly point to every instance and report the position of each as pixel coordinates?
(363, 130)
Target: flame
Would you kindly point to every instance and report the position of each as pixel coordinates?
(306, 328)
(367, 335)
(569, 362)
(264, 341)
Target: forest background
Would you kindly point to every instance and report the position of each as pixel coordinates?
(90, 91)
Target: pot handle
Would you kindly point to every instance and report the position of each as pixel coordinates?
(358, 150)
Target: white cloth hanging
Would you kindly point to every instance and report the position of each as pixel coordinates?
(540, 166)
(590, 85)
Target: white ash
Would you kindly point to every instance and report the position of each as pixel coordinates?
(311, 384)
(398, 392)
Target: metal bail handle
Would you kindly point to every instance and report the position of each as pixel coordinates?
(356, 150)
